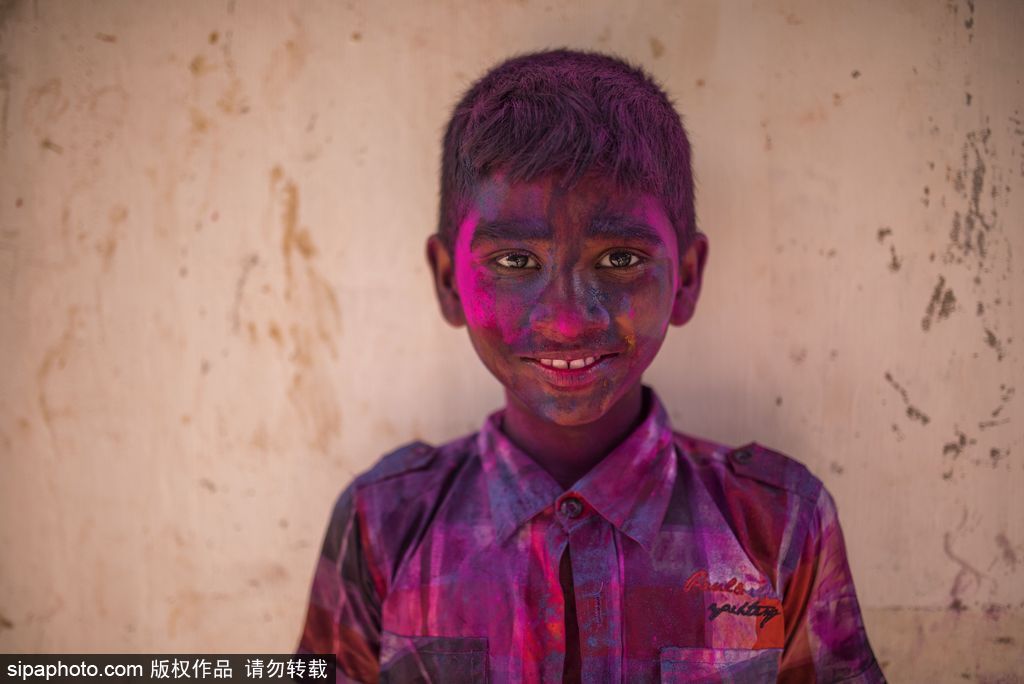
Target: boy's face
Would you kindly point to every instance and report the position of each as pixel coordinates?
(544, 277)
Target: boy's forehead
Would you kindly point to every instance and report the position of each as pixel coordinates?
(497, 197)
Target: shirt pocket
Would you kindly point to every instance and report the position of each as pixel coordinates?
(432, 659)
(725, 665)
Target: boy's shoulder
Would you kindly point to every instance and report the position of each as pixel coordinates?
(751, 464)
(416, 459)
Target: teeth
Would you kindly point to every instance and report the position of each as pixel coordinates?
(574, 363)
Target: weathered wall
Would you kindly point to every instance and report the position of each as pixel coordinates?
(215, 306)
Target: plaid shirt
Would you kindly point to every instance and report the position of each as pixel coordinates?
(681, 560)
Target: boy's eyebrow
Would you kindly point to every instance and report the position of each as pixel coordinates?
(497, 230)
(604, 226)
(623, 226)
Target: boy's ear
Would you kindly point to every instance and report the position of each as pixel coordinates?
(442, 266)
(691, 271)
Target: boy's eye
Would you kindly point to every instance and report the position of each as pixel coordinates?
(517, 260)
(619, 260)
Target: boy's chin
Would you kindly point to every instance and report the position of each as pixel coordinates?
(565, 408)
(573, 419)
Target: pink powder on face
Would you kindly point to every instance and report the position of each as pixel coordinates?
(476, 297)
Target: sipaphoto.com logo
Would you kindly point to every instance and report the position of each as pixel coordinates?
(60, 670)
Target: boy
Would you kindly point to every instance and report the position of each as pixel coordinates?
(576, 537)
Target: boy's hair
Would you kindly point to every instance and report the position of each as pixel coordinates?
(572, 112)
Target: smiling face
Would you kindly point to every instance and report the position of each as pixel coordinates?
(567, 293)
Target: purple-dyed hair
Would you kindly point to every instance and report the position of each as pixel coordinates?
(571, 112)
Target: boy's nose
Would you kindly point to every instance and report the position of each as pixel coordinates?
(568, 312)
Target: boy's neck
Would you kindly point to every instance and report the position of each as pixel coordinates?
(568, 453)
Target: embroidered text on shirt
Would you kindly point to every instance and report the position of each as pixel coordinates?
(700, 581)
(748, 609)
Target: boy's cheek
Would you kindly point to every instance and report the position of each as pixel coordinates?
(487, 305)
(510, 321)
(476, 295)
(652, 303)
(479, 309)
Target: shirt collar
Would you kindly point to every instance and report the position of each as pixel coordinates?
(630, 487)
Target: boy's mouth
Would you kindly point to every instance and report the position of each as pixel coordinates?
(562, 363)
(563, 371)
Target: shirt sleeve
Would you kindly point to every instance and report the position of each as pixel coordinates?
(343, 616)
(825, 636)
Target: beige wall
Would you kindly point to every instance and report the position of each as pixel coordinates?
(215, 306)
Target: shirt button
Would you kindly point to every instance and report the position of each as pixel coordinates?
(743, 455)
(571, 507)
